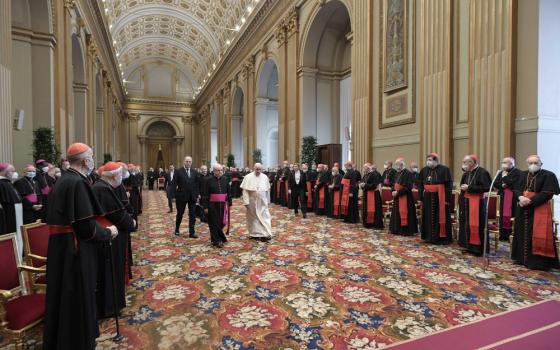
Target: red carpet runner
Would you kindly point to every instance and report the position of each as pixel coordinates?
(535, 327)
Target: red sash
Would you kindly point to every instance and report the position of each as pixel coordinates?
(321, 204)
(345, 195)
(506, 210)
(336, 202)
(278, 184)
(235, 179)
(440, 189)
(474, 216)
(309, 195)
(543, 238)
(222, 198)
(61, 230)
(286, 193)
(403, 205)
(370, 206)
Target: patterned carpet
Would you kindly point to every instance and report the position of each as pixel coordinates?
(319, 284)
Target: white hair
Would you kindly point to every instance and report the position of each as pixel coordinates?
(111, 173)
(216, 166)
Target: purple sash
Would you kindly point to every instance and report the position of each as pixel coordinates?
(221, 198)
(31, 197)
(45, 190)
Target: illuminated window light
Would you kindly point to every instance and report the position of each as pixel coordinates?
(228, 42)
(110, 26)
(249, 9)
(237, 27)
(243, 20)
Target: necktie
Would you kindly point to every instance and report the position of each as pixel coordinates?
(189, 172)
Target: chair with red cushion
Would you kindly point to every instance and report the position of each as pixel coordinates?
(19, 311)
(35, 247)
(161, 183)
(387, 202)
(494, 217)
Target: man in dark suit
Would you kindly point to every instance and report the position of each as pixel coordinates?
(298, 187)
(185, 184)
(169, 176)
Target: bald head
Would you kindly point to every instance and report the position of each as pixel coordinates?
(217, 169)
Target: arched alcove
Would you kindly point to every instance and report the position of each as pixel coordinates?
(266, 112)
(237, 124)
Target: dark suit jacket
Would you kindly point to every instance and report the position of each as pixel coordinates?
(302, 181)
(186, 188)
(168, 185)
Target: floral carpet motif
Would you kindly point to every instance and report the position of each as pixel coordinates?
(319, 284)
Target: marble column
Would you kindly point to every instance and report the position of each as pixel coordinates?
(188, 144)
(6, 120)
(133, 137)
(280, 34)
(361, 41)
(293, 137)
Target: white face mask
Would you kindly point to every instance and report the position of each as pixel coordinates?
(57, 175)
(15, 176)
(45, 169)
(126, 174)
(385, 166)
(430, 163)
(415, 169)
(533, 168)
(505, 167)
(89, 165)
(334, 174)
(464, 167)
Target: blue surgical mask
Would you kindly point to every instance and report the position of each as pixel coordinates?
(30, 174)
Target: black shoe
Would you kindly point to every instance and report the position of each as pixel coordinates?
(264, 239)
(193, 235)
(170, 211)
(304, 215)
(177, 233)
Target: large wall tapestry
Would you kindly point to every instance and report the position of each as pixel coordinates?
(395, 45)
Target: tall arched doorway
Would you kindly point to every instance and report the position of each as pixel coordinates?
(266, 112)
(325, 78)
(161, 145)
(79, 88)
(237, 148)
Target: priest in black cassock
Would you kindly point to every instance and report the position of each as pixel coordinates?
(372, 209)
(272, 180)
(203, 176)
(70, 306)
(349, 194)
(415, 172)
(123, 196)
(115, 212)
(504, 184)
(533, 239)
(389, 174)
(284, 185)
(9, 198)
(30, 193)
(472, 213)
(152, 177)
(236, 178)
(132, 187)
(403, 214)
(217, 201)
(334, 194)
(435, 184)
(321, 190)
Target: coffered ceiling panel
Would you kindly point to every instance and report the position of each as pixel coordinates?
(191, 33)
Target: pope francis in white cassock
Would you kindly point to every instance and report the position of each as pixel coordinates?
(256, 196)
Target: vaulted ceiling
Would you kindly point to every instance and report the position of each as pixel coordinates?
(192, 35)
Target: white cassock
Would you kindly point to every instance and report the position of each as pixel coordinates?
(256, 196)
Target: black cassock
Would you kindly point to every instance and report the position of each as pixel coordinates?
(312, 179)
(371, 181)
(545, 185)
(116, 213)
(30, 194)
(8, 198)
(334, 196)
(151, 179)
(353, 214)
(217, 210)
(46, 184)
(131, 186)
(236, 179)
(322, 190)
(121, 193)
(403, 179)
(505, 186)
(479, 182)
(388, 177)
(272, 179)
(430, 182)
(284, 199)
(70, 312)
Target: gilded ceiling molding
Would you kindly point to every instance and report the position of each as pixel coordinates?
(292, 21)
(70, 4)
